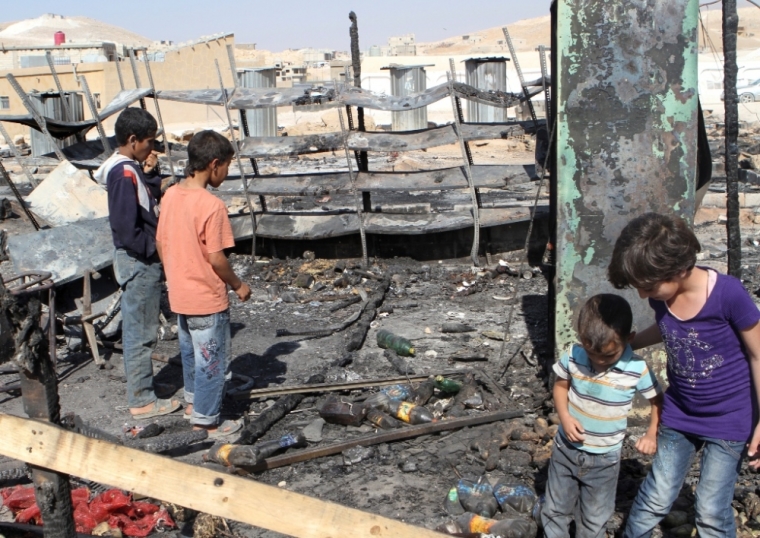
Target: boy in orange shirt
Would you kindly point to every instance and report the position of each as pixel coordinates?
(192, 234)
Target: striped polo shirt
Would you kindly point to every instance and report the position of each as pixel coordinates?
(600, 401)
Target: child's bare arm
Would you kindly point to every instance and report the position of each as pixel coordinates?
(647, 444)
(158, 250)
(222, 268)
(751, 340)
(648, 337)
(570, 425)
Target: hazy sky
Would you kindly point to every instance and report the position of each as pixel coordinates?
(281, 24)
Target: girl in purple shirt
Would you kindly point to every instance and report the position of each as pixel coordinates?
(709, 325)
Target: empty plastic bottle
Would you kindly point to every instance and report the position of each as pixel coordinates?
(447, 385)
(477, 497)
(251, 455)
(409, 412)
(452, 505)
(506, 528)
(398, 392)
(381, 420)
(399, 344)
(378, 400)
(425, 390)
(337, 411)
(515, 499)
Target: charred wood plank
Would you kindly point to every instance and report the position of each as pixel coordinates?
(386, 437)
(273, 146)
(356, 339)
(258, 427)
(484, 176)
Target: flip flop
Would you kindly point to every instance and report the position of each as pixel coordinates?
(160, 407)
(228, 427)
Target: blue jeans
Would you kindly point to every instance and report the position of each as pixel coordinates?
(582, 478)
(140, 304)
(204, 343)
(719, 469)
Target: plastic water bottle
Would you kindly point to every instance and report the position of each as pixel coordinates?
(251, 455)
(398, 392)
(399, 344)
(515, 499)
(477, 497)
(506, 528)
(381, 420)
(410, 413)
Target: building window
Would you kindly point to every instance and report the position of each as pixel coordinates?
(5, 102)
(96, 98)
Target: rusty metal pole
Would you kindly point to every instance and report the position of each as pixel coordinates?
(733, 229)
(24, 342)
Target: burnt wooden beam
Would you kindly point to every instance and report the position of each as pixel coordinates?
(731, 108)
(385, 437)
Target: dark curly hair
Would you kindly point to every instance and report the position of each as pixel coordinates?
(604, 318)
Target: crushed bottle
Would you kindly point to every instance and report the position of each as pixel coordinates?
(399, 344)
(506, 528)
(448, 386)
(452, 505)
(251, 455)
(424, 391)
(409, 412)
(337, 411)
(515, 499)
(477, 497)
(381, 420)
(398, 392)
(378, 400)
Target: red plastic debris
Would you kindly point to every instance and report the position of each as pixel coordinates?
(134, 518)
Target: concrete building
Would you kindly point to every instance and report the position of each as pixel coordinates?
(402, 45)
(186, 67)
(17, 57)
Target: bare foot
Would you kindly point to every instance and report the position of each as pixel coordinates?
(188, 410)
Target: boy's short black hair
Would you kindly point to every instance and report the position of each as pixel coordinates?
(603, 318)
(134, 121)
(204, 147)
(652, 248)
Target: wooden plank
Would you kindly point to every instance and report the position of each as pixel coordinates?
(316, 184)
(413, 224)
(198, 488)
(364, 98)
(278, 146)
(387, 437)
(296, 226)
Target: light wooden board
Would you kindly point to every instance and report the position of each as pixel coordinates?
(197, 488)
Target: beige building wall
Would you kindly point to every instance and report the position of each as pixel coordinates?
(187, 68)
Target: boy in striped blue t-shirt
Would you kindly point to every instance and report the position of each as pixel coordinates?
(596, 383)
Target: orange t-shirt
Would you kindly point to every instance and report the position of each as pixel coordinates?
(193, 223)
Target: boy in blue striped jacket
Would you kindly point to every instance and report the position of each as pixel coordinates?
(596, 383)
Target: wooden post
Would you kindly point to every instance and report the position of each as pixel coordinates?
(731, 108)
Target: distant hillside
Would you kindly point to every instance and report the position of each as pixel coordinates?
(39, 32)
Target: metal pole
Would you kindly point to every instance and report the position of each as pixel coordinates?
(731, 107)
(118, 72)
(547, 89)
(244, 120)
(94, 111)
(133, 61)
(40, 119)
(167, 148)
(240, 163)
(17, 156)
(359, 212)
(526, 93)
(468, 175)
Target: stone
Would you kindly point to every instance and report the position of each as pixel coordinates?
(313, 432)
(675, 518)
(303, 280)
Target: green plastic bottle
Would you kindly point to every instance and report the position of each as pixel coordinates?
(447, 385)
(399, 344)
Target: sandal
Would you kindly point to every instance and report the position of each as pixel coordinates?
(228, 427)
(160, 407)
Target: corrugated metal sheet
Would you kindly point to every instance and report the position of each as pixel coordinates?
(406, 81)
(261, 121)
(51, 106)
(487, 76)
(626, 136)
